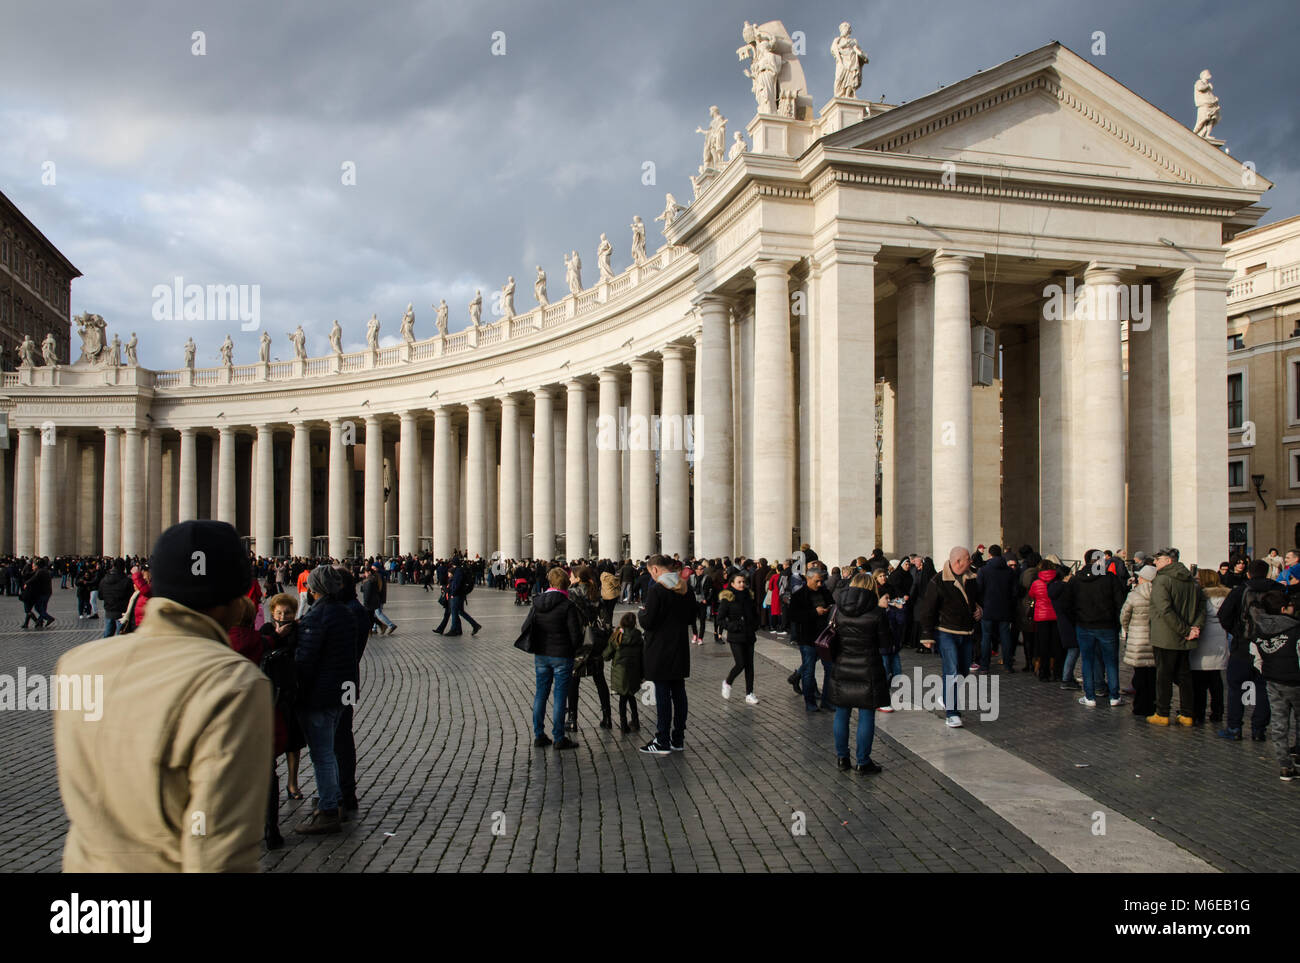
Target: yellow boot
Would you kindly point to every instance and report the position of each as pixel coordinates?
(1158, 720)
(1186, 721)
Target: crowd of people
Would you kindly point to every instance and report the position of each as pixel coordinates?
(296, 630)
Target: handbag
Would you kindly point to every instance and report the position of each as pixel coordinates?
(825, 641)
(525, 641)
(127, 622)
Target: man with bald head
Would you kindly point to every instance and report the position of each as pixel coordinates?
(948, 612)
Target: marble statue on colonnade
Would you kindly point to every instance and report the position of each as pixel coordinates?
(849, 58)
(539, 287)
(671, 210)
(115, 353)
(27, 352)
(760, 48)
(573, 273)
(738, 146)
(264, 348)
(336, 337)
(408, 324)
(1207, 106)
(476, 309)
(638, 240)
(132, 346)
(227, 351)
(443, 311)
(190, 349)
(49, 350)
(715, 140)
(299, 339)
(91, 328)
(372, 332)
(508, 298)
(603, 255)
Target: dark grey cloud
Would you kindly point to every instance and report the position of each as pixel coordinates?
(226, 168)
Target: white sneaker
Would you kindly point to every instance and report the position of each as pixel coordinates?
(726, 690)
(885, 709)
(953, 722)
(1116, 702)
(1085, 701)
(751, 699)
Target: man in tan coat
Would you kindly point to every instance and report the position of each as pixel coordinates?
(174, 776)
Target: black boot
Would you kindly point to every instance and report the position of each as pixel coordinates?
(605, 722)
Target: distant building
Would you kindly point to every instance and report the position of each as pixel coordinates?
(35, 287)
(1264, 388)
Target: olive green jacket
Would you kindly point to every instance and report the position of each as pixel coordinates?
(1177, 604)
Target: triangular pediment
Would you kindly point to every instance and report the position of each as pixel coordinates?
(1048, 110)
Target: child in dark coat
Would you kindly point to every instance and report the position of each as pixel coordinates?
(625, 675)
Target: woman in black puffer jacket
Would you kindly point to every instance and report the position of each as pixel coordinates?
(738, 619)
(857, 678)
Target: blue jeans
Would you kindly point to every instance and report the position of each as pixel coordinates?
(893, 665)
(809, 672)
(955, 653)
(1071, 660)
(318, 727)
(1003, 630)
(557, 669)
(1240, 671)
(110, 627)
(1092, 641)
(670, 703)
(866, 733)
(379, 616)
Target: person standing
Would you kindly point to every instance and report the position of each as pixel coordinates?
(1135, 623)
(665, 621)
(857, 679)
(1235, 618)
(345, 747)
(556, 632)
(810, 611)
(738, 618)
(1210, 657)
(948, 611)
(1096, 597)
(624, 651)
(997, 584)
(1177, 616)
(1276, 653)
(1047, 636)
(177, 684)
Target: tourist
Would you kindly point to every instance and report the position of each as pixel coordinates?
(1177, 616)
(1278, 663)
(1135, 625)
(556, 630)
(609, 591)
(665, 621)
(326, 663)
(279, 643)
(178, 682)
(738, 620)
(373, 591)
(1210, 657)
(857, 679)
(36, 593)
(115, 591)
(701, 587)
(1058, 592)
(948, 611)
(1048, 652)
(1235, 615)
(1096, 596)
(810, 610)
(459, 586)
(997, 583)
(1275, 563)
(624, 650)
(345, 750)
(589, 660)
(626, 576)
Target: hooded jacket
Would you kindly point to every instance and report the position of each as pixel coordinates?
(738, 616)
(1177, 604)
(326, 656)
(997, 582)
(1277, 650)
(669, 610)
(1135, 620)
(1095, 600)
(857, 676)
(557, 627)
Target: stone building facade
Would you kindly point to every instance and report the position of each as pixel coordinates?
(35, 287)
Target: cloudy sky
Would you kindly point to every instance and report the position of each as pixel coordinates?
(226, 168)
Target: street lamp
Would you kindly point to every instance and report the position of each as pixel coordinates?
(1258, 481)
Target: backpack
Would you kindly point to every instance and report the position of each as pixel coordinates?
(1246, 630)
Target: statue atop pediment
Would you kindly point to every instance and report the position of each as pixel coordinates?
(94, 342)
(1207, 106)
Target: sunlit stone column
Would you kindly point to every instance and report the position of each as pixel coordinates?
(374, 487)
(189, 477)
(48, 527)
(475, 495)
(133, 509)
(951, 424)
(773, 442)
(915, 285)
(714, 459)
(543, 474)
(575, 473)
(226, 500)
(609, 527)
(642, 480)
(337, 505)
(86, 527)
(1099, 412)
(444, 486)
(510, 492)
(300, 490)
(155, 482)
(491, 489)
(525, 485)
(264, 491)
(25, 493)
(674, 482)
(426, 486)
(112, 491)
(1054, 450)
(408, 485)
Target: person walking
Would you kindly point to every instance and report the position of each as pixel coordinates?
(555, 628)
(738, 619)
(1177, 617)
(1135, 624)
(857, 678)
(948, 611)
(36, 593)
(178, 684)
(665, 622)
(810, 611)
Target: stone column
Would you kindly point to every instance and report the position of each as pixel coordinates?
(1198, 415)
(155, 497)
(1099, 413)
(226, 500)
(575, 472)
(888, 469)
(525, 486)
(642, 480)
(1020, 443)
(25, 493)
(337, 504)
(170, 494)
(1149, 491)
(674, 482)
(300, 490)
(444, 487)
(475, 496)
(426, 486)
(112, 491)
(48, 528)
(609, 527)
(393, 501)
(87, 529)
(133, 508)
(188, 509)
(264, 491)
(1054, 448)
(844, 468)
(408, 485)
(714, 459)
(915, 284)
(374, 493)
(491, 486)
(773, 446)
(543, 474)
(950, 424)
(509, 536)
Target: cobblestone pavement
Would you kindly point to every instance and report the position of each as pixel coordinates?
(444, 745)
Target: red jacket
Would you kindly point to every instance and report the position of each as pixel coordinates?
(1043, 611)
(142, 586)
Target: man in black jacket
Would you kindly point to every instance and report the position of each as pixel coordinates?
(997, 584)
(1095, 597)
(326, 661)
(556, 632)
(36, 594)
(810, 611)
(345, 747)
(1241, 669)
(947, 613)
(668, 612)
(115, 592)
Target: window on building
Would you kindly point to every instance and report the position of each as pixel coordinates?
(1237, 474)
(1238, 538)
(1236, 400)
(1236, 342)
